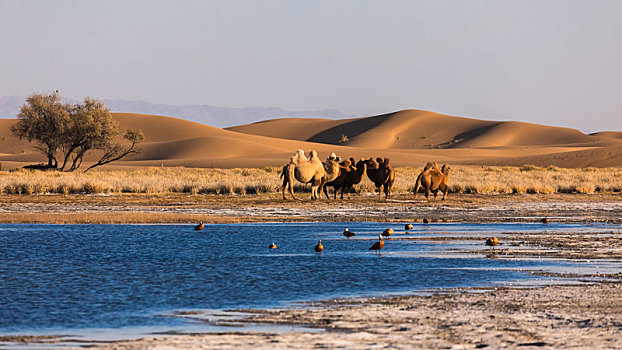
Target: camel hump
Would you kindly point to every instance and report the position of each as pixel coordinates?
(299, 156)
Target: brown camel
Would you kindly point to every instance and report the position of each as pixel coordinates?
(354, 178)
(444, 184)
(432, 178)
(334, 170)
(351, 175)
(381, 174)
(308, 171)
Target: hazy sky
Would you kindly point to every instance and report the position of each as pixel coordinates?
(552, 62)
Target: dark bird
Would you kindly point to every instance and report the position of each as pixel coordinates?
(408, 227)
(348, 233)
(319, 247)
(388, 232)
(426, 221)
(272, 246)
(545, 220)
(378, 245)
(199, 227)
(492, 241)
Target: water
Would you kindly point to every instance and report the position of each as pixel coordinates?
(63, 278)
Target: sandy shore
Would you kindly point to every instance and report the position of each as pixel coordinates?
(558, 316)
(551, 317)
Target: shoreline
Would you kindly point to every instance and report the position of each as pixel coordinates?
(187, 208)
(548, 316)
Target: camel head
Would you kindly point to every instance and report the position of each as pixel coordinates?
(361, 165)
(386, 162)
(379, 160)
(445, 169)
(372, 164)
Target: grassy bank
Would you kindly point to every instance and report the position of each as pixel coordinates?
(464, 179)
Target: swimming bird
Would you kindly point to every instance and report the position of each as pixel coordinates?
(378, 245)
(426, 221)
(545, 220)
(199, 227)
(408, 227)
(388, 232)
(492, 241)
(272, 246)
(319, 247)
(348, 233)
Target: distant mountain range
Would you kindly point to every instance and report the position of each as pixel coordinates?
(205, 114)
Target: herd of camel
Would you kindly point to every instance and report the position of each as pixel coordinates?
(342, 175)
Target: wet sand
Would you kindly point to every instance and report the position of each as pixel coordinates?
(586, 315)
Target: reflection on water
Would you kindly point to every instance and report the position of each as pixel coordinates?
(68, 277)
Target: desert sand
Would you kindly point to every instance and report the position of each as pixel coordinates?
(409, 138)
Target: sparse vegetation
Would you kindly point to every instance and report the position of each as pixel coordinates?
(465, 179)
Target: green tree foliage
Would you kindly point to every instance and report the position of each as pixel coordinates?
(65, 132)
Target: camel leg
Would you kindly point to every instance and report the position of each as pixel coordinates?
(291, 187)
(326, 192)
(379, 192)
(427, 193)
(314, 192)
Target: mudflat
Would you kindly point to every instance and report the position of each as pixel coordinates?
(188, 208)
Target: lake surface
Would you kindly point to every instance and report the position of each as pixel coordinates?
(63, 278)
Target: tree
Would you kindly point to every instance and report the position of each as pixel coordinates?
(43, 118)
(68, 132)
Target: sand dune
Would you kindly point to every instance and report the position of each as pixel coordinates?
(422, 129)
(410, 137)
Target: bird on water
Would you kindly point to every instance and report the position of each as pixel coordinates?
(408, 227)
(348, 233)
(545, 220)
(272, 246)
(199, 227)
(378, 245)
(492, 241)
(319, 247)
(388, 232)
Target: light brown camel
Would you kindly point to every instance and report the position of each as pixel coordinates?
(308, 171)
(381, 174)
(333, 170)
(432, 178)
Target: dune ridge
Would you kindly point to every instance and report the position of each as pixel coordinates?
(409, 138)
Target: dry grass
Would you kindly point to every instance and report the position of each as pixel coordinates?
(464, 179)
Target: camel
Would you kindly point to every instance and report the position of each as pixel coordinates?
(444, 184)
(308, 171)
(334, 169)
(353, 178)
(381, 174)
(433, 179)
(348, 176)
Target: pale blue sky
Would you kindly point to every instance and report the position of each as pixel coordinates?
(556, 62)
